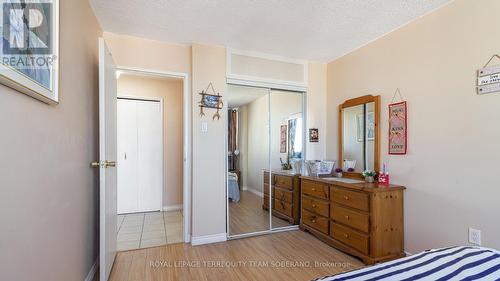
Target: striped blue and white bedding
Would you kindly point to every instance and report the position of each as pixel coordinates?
(454, 263)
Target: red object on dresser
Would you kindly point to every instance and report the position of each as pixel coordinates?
(383, 178)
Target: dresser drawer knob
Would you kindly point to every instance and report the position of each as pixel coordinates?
(313, 189)
(346, 197)
(314, 206)
(346, 235)
(347, 217)
(313, 219)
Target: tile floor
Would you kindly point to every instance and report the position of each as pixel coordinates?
(144, 230)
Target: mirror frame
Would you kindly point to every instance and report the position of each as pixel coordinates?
(351, 103)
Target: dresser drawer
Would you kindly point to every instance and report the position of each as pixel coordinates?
(283, 181)
(266, 189)
(265, 202)
(315, 189)
(351, 218)
(350, 237)
(266, 177)
(352, 199)
(315, 221)
(282, 194)
(317, 206)
(283, 207)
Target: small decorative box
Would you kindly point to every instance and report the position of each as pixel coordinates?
(383, 178)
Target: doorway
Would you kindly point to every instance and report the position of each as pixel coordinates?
(109, 221)
(140, 149)
(150, 174)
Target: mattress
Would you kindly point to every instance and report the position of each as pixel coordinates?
(453, 263)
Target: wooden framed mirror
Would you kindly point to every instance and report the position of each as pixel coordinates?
(359, 135)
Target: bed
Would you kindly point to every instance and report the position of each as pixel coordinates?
(233, 187)
(454, 263)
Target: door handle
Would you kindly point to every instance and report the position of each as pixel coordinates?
(106, 164)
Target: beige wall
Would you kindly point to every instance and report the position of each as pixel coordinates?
(316, 111)
(258, 141)
(209, 161)
(453, 137)
(171, 91)
(132, 51)
(49, 195)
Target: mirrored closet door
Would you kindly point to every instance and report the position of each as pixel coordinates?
(265, 152)
(248, 157)
(287, 153)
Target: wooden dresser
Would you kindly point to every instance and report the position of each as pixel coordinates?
(285, 190)
(361, 219)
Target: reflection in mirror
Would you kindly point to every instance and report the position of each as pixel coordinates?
(248, 157)
(295, 137)
(287, 138)
(359, 137)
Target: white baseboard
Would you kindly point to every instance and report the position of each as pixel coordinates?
(93, 270)
(208, 239)
(245, 188)
(256, 192)
(172, 208)
(408, 254)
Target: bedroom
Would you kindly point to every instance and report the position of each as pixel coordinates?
(338, 55)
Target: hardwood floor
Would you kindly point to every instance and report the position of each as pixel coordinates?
(257, 258)
(248, 216)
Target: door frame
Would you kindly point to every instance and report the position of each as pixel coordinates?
(160, 100)
(187, 128)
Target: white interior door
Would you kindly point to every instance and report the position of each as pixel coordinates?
(127, 155)
(140, 150)
(150, 155)
(107, 158)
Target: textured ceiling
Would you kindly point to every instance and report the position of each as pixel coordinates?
(318, 30)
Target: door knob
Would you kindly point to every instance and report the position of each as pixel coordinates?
(106, 164)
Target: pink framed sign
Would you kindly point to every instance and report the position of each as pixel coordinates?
(398, 128)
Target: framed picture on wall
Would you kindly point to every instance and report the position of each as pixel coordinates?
(283, 138)
(398, 128)
(30, 48)
(313, 135)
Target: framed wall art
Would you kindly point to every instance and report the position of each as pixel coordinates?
(313, 135)
(398, 128)
(283, 138)
(30, 48)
